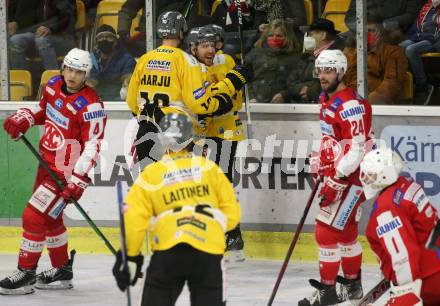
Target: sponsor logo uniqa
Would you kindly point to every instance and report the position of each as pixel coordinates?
(354, 111)
(395, 223)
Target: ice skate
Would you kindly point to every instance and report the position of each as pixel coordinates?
(234, 247)
(351, 289)
(324, 295)
(20, 282)
(57, 278)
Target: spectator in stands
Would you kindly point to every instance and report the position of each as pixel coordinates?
(275, 55)
(47, 25)
(112, 64)
(422, 37)
(387, 66)
(394, 13)
(302, 86)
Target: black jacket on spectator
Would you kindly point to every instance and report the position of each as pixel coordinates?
(271, 69)
(57, 15)
(403, 12)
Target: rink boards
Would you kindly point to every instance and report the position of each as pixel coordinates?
(271, 176)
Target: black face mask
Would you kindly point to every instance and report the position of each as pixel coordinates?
(105, 46)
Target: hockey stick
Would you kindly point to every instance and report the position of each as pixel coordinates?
(188, 9)
(60, 185)
(122, 230)
(246, 88)
(293, 243)
(432, 241)
(374, 294)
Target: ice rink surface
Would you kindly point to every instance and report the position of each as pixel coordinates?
(249, 283)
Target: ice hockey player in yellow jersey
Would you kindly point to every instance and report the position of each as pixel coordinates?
(188, 204)
(221, 133)
(167, 79)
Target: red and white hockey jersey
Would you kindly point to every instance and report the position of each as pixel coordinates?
(400, 224)
(345, 121)
(73, 127)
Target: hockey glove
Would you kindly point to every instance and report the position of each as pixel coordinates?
(75, 187)
(406, 295)
(240, 75)
(123, 277)
(19, 122)
(332, 190)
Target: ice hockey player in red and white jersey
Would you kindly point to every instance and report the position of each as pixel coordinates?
(401, 223)
(74, 120)
(345, 121)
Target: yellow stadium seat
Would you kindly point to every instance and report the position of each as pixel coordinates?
(408, 91)
(81, 20)
(45, 76)
(309, 11)
(20, 85)
(215, 4)
(335, 11)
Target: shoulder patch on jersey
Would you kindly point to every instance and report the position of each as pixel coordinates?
(326, 129)
(352, 109)
(335, 104)
(397, 196)
(79, 103)
(159, 65)
(420, 199)
(393, 224)
(54, 79)
(88, 116)
(411, 191)
(49, 90)
(219, 59)
(198, 93)
(58, 118)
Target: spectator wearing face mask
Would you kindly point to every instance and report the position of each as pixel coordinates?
(321, 35)
(387, 66)
(112, 65)
(423, 37)
(275, 55)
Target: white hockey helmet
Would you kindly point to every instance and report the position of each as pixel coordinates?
(78, 59)
(331, 59)
(379, 169)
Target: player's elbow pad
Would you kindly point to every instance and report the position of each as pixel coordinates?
(225, 104)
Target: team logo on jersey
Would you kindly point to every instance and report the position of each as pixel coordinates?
(159, 65)
(395, 223)
(53, 139)
(58, 103)
(79, 103)
(57, 117)
(88, 116)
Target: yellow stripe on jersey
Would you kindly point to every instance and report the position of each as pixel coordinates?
(190, 200)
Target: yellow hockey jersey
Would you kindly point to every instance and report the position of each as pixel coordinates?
(227, 126)
(171, 79)
(182, 198)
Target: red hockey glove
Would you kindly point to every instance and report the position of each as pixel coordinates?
(317, 167)
(19, 122)
(405, 295)
(332, 191)
(75, 187)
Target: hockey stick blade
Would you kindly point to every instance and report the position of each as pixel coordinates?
(122, 230)
(374, 294)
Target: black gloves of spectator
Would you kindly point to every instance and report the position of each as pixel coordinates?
(240, 75)
(123, 277)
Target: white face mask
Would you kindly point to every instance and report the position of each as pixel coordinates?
(123, 92)
(435, 3)
(309, 43)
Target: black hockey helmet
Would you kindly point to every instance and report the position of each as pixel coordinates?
(175, 132)
(200, 35)
(170, 24)
(219, 31)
